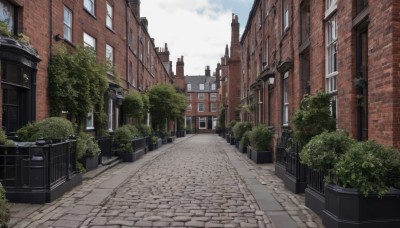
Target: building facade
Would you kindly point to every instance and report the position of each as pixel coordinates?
(348, 49)
(113, 28)
(203, 102)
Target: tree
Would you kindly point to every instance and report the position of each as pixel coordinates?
(165, 103)
(77, 82)
(133, 104)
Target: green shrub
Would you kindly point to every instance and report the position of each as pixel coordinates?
(133, 104)
(134, 131)
(366, 166)
(49, 128)
(323, 150)
(86, 146)
(232, 124)
(123, 137)
(144, 130)
(245, 141)
(4, 208)
(240, 128)
(260, 138)
(154, 139)
(164, 133)
(313, 117)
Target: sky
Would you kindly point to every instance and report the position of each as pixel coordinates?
(198, 30)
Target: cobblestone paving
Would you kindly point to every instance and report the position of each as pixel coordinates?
(187, 184)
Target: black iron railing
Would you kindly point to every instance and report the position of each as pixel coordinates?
(293, 165)
(283, 143)
(138, 143)
(315, 180)
(106, 146)
(37, 167)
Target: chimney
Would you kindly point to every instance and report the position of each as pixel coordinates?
(226, 50)
(144, 22)
(235, 45)
(180, 73)
(217, 71)
(163, 53)
(135, 6)
(207, 71)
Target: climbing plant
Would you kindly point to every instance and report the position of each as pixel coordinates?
(77, 82)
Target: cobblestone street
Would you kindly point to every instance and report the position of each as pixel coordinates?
(197, 181)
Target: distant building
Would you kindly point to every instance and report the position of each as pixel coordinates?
(203, 102)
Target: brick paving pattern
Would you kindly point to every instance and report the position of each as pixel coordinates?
(190, 183)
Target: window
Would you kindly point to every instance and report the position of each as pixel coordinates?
(130, 73)
(213, 96)
(213, 107)
(89, 41)
(285, 103)
(213, 86)
(201, 86)
(200, 96)
(202, 122)
(189, 87)
(266, 46)
(331, 55)
(89, 6)
(285, 15)
(330, 6)
(304, 22)
(130, 38)
(7, 15)
(214, 122)
(201, 107)
(361, 5)
(110, 54)
(189, 107)
(110, 114)
(90, 121)
(109, 16)
(67, 24)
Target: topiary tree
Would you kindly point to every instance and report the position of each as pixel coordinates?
(86, 146)
(77, 82)
(146, 105)
(49, 128)
(221, 117)
(313, 117)
(133, 105)
(260, 138)
(165, 103)
(240, 128)
(123, 137)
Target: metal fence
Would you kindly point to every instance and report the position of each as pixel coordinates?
(138, 143)
(106, 146)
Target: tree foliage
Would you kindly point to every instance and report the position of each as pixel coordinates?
(133, 104)
(77, 82)
(165, 103)
(313, 117)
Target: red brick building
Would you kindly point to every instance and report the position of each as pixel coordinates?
(229, 70)
(346, 48)
(113, 28)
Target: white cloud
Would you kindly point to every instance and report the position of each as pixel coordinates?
(196, 29)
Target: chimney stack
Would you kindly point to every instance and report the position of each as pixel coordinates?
(135, 6)
(207, 71)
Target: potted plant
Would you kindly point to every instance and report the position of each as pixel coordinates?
(87, 151)
(153, 143)
(363, 190)
(238, 131)
(232, 137)
(320, 154)
(260, 143)
(244, 142)
(52, 129)
(123, 137)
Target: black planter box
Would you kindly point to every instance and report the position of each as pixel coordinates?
(152, 146)
(315, 201)
(248, 152)
(131, 157)
(90, 163)
(260, 157)
(346, 208)
(237, 144)
(171, 139)
(242, 149)
(280, 170)
(232, 140)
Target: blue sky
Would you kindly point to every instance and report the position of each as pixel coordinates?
(195, 29)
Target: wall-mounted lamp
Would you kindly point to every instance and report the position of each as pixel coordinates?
(271, 81)
(58, 37)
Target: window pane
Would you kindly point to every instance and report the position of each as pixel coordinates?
(110, 53)
(201, 86)
(89, 6)
(109, 16)
(89, 41)
(89, 120)
(7, 14)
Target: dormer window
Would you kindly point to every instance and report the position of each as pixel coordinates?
(201, 87)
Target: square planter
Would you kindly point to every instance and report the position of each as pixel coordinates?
(127, 157)
(152, 146)
(260, 157)
(346, 208)
(232, 140)
(237, 145)
(90, 163)
(248, 152)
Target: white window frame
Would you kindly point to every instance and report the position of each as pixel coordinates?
(213, 96)
(201, 87)
(213, 107)
(109, 15)
(67, 24)
(203, 119)
(110, 53)
(200, 105)
(213, 86)
(110, 114)
(200, 96)
(285, 15)
(330, 7)
(89, 41)
(90, 120)
(189, 87)
(189, 107)
(285, 101)
(89, 5)
(214, 122)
